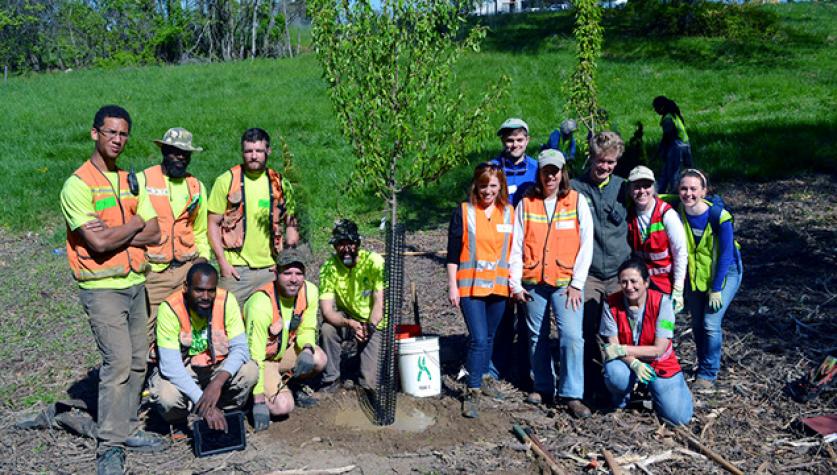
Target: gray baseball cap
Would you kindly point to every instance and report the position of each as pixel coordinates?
(512, 124)
(551, 156)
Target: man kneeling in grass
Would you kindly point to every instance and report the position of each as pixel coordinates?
(281, 321)
(205, 364)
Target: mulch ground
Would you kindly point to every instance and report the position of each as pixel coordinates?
(780, 324)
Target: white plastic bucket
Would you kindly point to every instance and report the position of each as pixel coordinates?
(418, 363)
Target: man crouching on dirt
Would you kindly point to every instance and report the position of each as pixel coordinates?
(205, 365)
(282, 316)
(352, 299)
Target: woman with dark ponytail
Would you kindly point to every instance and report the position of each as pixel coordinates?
(675, 150)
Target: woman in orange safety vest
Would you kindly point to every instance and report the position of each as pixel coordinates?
(552, 251)
(479, 240)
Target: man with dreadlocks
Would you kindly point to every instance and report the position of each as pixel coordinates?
(281, 321)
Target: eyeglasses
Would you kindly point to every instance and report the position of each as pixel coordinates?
(490, 165)
(110, 133)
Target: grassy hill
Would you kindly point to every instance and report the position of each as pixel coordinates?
(757, 110)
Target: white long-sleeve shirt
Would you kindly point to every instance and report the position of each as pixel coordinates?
(676, 241)
(585, 249)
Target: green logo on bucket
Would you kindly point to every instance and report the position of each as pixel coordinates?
(422, 365)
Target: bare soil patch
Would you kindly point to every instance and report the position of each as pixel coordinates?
(781, 323)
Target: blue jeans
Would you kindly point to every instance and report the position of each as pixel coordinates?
(706, 324)
(570, 339)
(672, 398)
(509, 356)
(482, 316)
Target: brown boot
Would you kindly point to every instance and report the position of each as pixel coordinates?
(578, 409)
(470, 403)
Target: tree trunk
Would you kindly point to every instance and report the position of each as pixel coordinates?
(271, 24)
(287, 28)
(254, 28)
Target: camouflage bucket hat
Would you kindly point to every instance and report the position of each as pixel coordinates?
(178, 138)
(290, 257)
(344, 230)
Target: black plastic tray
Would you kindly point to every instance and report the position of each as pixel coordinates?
(211, 442)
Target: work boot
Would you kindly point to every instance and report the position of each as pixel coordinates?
(703, 385)
(328, 388)
(304, 397)
(470, 403)
(578, 409)
(490, 389)
(142, 441)
(111, 462)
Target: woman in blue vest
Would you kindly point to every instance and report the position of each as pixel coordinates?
(714, 271)
(675, 151)
(638, 326)
(479, 242)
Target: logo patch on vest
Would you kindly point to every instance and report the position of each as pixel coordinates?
(564, 224)
(105, 203)
(504, 228)
(264, 203)
(157, 191)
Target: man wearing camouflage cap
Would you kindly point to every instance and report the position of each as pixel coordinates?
(352, 299)
(281, 325)
(179, 200)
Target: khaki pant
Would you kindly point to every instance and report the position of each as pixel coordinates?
(595, 298)
(273, 371)
(159, 286)
(332, 339)
(174, 405)
(251, 279)
(118, 319)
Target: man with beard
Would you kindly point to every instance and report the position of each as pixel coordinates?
(204, 363)
(179, 200)
(352, 299)
(281, 320)
(251, 218)
(109, 224)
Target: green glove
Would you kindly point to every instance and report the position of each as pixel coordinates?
(677, 300)
(644, 372)
(613, 351)
(715, 301)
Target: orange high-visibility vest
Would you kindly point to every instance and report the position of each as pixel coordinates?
(550, 247)
(234, 222)
(114, 207)
(276, 348)
(177, 236)
(217, 331)
(484, 261)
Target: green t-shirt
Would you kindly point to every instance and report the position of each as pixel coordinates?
(258, 313)
(168, 327)
(352, 289)
(77, 208)
(256, 251)
(178, 199)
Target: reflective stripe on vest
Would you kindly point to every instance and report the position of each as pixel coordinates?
(274, 349)
(234, 221)
(217, 338)
(114, 207)
(665, 365)
(484, 263)
(654, 248)
(177, 236)
(549, 254)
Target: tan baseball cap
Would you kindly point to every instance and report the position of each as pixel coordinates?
(641, 172)
(179, 138)
(553, 157)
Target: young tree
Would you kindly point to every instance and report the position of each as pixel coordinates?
(588, 31)
(392, 84)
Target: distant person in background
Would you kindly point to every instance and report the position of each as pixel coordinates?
(607, 196)
(656, 236)
(521, 172)
(251, 218)
(715, 271)
(563, 140)
(110, 221)
(479, 242)
(638, 325)
(180, 202)
(553, 246)
(675, 151)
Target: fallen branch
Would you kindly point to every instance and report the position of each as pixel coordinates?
(611, 462)
(314, 471)
(536, 447)
(726, 464)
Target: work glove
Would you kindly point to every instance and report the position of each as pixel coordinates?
(304, 363)
(715, 301)
(614, 351)
(644, 372)
(677, 300)
(261, 417)
(370, 329)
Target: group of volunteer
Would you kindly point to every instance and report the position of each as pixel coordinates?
(139, 247)
(614, 259)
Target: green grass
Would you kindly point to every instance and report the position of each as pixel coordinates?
(756, 110)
